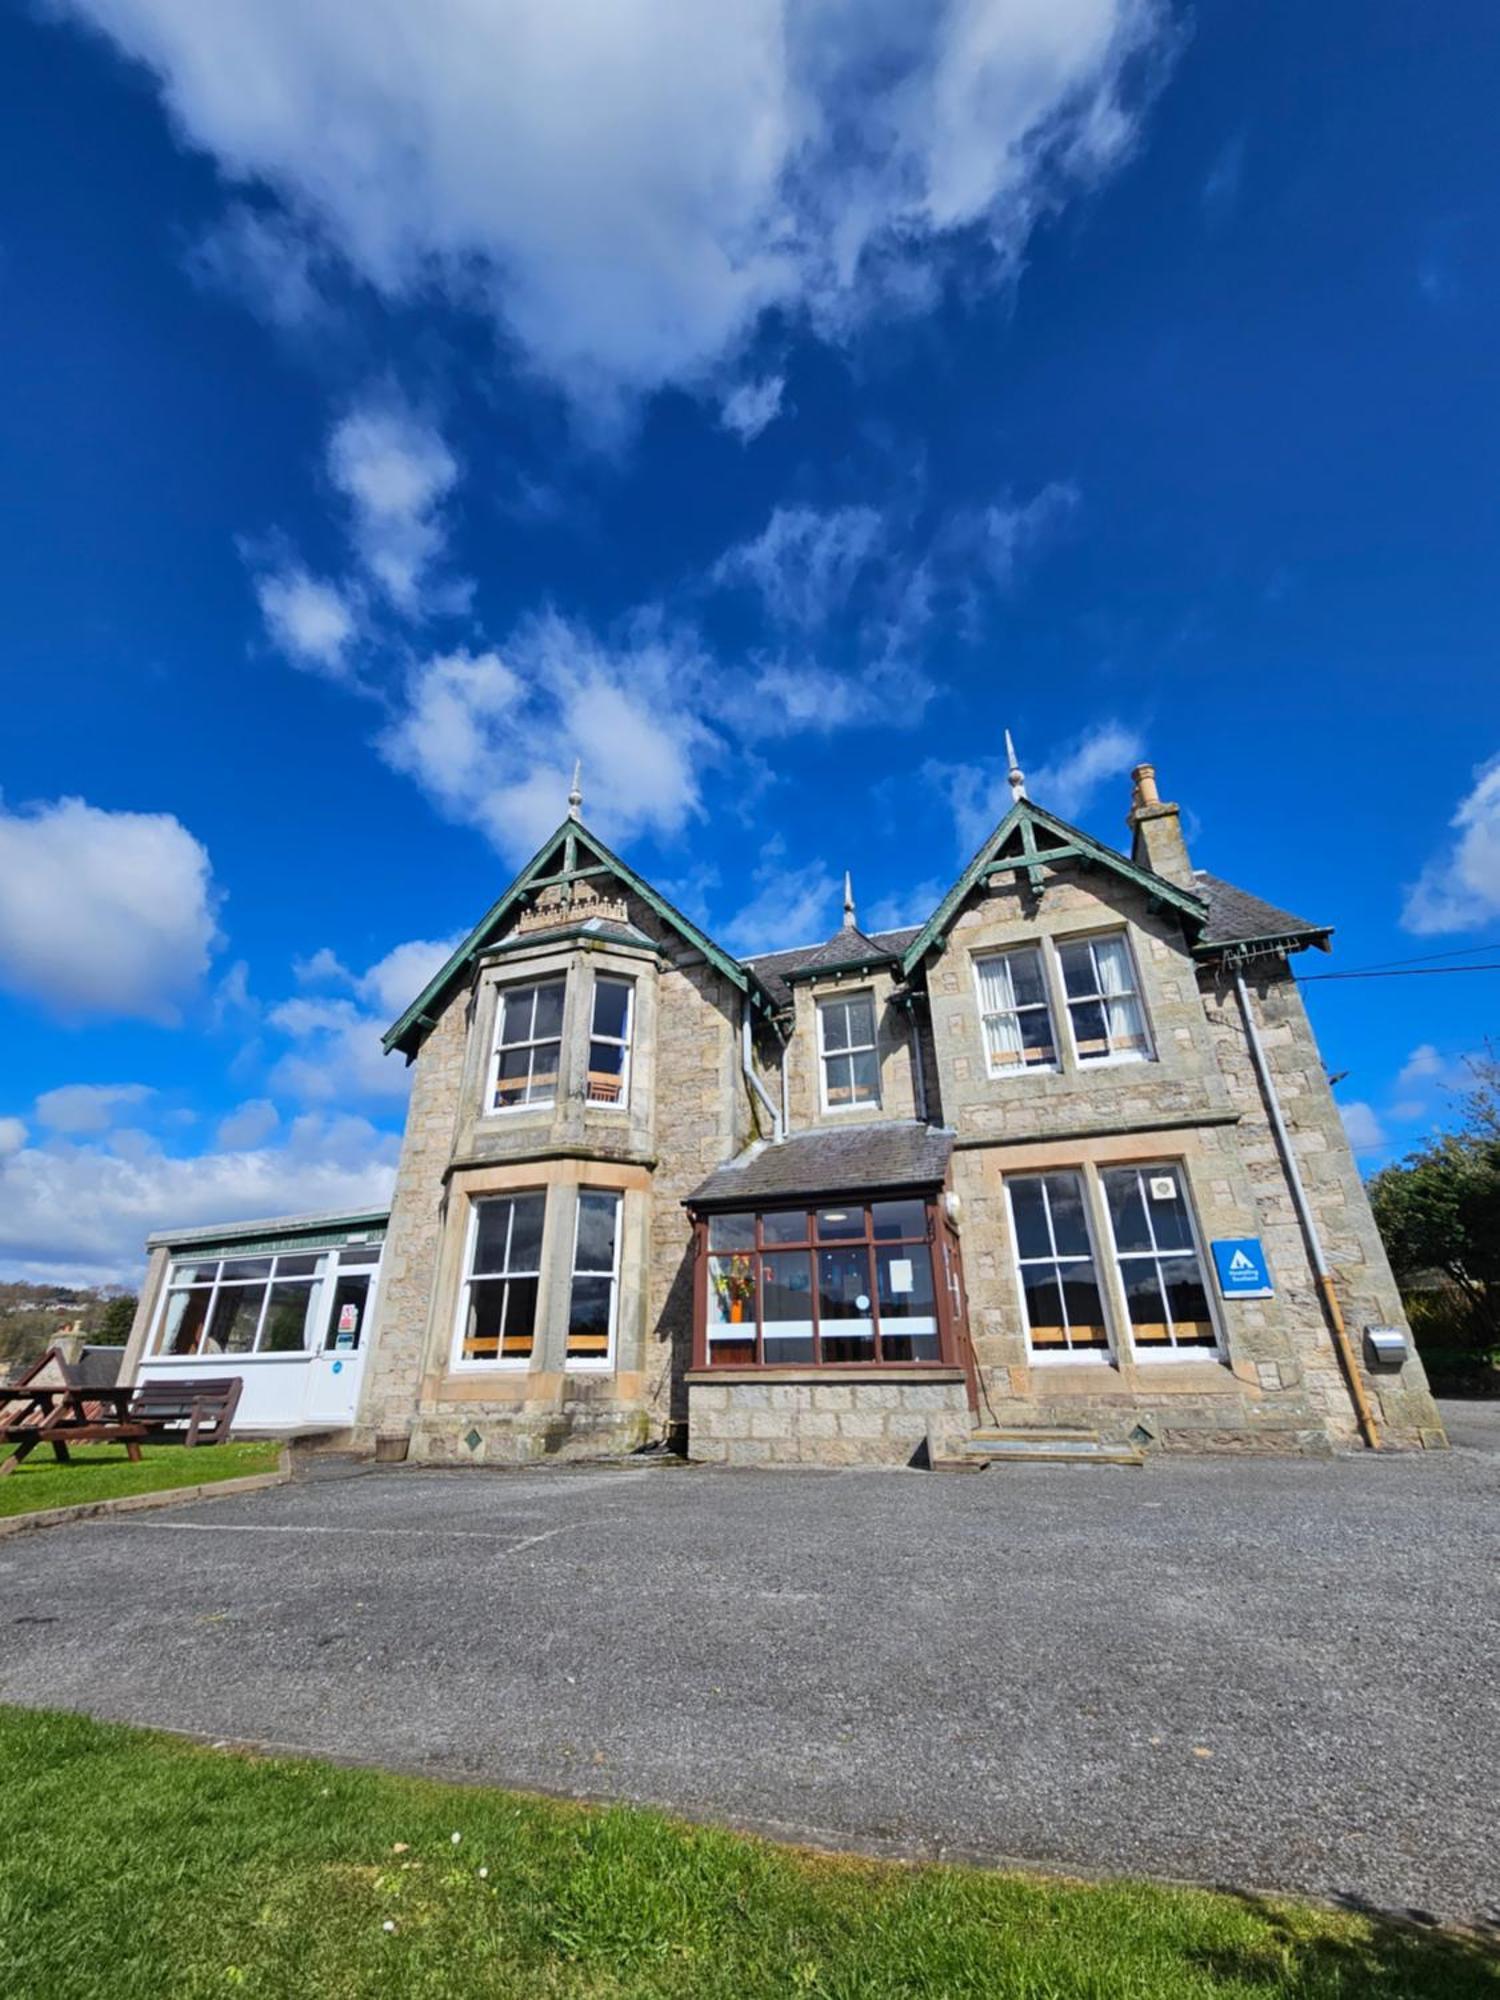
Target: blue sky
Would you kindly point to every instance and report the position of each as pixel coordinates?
(768, 403)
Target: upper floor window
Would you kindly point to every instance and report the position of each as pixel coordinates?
(847, 1051)
(498, 1312)
(1013, 1007)
(609, 1041)
(596, 1264)
(1104, 1004)
(528, 1044)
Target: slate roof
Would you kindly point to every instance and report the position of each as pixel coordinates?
(1237, 917)
(776, 969)
(892, 1153)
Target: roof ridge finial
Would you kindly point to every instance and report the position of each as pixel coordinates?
(849, 923)
(575, 794)
(1015, 776)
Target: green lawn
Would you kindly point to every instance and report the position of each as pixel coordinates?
(103, 1472)
(137, 1865)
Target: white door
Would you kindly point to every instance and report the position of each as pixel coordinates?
(335, 1371)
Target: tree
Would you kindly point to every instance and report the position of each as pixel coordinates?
(116, 1320)
(1438, 1211)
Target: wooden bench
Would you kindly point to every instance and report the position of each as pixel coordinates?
(191, 1413)
(205, 1406)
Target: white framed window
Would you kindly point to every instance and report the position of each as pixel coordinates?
(497, 1314)
(1160, 1264)
(242, 1305)
(1103, 993)
(610, 1031)
(1056, 1267)
(595, 1285)
(528, 1044)
(1015, 1012)
(848, 1057)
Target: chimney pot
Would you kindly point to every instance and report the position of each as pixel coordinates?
(1144, 776)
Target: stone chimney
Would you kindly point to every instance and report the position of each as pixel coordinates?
(1157, 827)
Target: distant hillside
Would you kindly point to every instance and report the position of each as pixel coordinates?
(31, 1317)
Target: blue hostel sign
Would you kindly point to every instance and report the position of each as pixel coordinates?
(1243, 1271)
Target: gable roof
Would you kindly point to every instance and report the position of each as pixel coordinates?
(1028, 839)
(575, 841)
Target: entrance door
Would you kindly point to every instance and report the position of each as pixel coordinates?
(336, 1371)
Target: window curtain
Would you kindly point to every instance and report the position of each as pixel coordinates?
(1002, 1025)
(1112, 957)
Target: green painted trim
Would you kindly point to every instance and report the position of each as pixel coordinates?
(1075, 845)
(575, 934)
(271, 1246)
(1316, 935)
(407, 1034)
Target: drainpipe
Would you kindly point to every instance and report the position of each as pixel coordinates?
(1362, 1411)
(748, 1066)
(917, 1077)
(786, 1090)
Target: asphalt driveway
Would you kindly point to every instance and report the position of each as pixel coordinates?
(1270, 1675)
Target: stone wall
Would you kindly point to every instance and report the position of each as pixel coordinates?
(821, 1420)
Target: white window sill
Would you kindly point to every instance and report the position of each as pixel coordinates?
(497, 1367)
(1115, 1062)
(514, 1110)
(222, 1361)
(1072, 1357)
(1023, 1071)
(843, 1110)
(1166, 1357)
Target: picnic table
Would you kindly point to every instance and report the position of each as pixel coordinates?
(34, 1413)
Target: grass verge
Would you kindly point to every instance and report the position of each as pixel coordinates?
(103, 1472)
(134, 1864)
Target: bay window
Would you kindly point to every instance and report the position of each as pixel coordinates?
(1161, 1272)
(845, 1283)
(848, 1056)
(609, 1041)
(528, 1044)
(498, 1309)
(595, 1282)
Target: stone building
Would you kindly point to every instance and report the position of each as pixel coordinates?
(1058, 1169)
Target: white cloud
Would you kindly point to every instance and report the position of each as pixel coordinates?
(247, 1125)
(336, 1054)
(103, 913)
(1459, 889)
(88, 1107)
(805, 561)
(81, 1212)
(906, 907)
(313, 622)
(626, 188)
(751, 406)
(13, 1135)
(790, 906)
(993, 541)
(492, 741)
(263, 258)
(395, 470)
(1362, 1126)
(979, 795)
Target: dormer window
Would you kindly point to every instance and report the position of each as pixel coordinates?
(847, 1051)
(1104, 1004)
(609, 1041)
(528, 1044)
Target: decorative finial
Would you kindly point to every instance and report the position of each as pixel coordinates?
(575, 796)
(848, 901)
(1015, 775)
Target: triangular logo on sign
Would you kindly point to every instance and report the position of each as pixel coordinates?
(1239, 1262)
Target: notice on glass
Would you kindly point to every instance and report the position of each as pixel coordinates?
(901, 1276)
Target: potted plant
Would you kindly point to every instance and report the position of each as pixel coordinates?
(734, 1283)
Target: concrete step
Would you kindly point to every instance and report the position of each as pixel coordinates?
(1032, 1433)
(1051, 1451)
